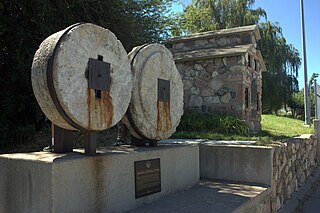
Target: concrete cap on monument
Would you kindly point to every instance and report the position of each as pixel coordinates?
(81, 78)
(157, 96)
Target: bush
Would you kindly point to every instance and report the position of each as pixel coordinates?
(207, 122)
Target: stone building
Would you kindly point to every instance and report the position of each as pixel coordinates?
(221, 72)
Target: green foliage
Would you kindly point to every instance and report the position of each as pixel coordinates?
(274, 128)
(296, 104)
(206, 15)
(24, 134)
(26, 23)
(282, 62)
(206, 122)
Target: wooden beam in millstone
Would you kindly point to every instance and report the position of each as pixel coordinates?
(157, 96)
(82, 79)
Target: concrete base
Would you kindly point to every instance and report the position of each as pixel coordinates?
(46, 182)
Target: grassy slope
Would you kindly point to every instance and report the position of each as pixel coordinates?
(274, 128)
(282, 126)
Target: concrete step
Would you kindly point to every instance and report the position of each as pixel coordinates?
(212, 196)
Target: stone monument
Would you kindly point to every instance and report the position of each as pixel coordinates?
(82, 80)
(157, 96)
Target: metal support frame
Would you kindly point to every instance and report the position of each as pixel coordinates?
(90, 142)
(62, 139)
(314, 79)
(315, 99)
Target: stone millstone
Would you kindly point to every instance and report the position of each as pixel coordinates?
(147, 116)
(66, 54)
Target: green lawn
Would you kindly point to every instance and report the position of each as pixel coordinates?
(284, 127)
(274, 128)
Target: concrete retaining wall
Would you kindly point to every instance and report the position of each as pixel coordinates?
(285, 167)
(236, 163)
(46, 182)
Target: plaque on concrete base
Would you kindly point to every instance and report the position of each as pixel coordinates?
(147, 177)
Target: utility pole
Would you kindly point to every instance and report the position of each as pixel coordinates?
(315, 95)
(304, 56)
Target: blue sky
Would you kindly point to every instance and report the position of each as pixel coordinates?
(287, 13)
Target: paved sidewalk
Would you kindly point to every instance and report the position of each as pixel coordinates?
(312, 205)
(210, 196)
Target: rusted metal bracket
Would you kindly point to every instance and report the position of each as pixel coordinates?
(98, 75)
(163, 90)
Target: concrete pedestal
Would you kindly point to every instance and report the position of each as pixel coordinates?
(73, 182)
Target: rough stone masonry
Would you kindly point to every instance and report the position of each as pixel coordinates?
(221, 72)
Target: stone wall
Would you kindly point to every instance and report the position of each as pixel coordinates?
(214, 39)
(293, 163)
(213, 42)
(210, 85)
(221, 72)
(219, 86)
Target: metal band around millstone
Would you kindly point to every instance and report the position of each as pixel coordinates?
(50, 84)
(128, 113)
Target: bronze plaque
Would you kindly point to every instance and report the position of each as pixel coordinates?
(147, 177)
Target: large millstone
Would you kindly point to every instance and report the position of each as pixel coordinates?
(157, 96)
(64, 65)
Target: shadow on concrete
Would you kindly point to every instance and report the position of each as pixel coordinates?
(208, 196)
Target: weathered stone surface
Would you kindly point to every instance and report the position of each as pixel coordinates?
(204, 75)
(214, 74)
(222, 91)
(212, 100)
(198, 67)
(206, 92)
(225, 98)
(155, 119)
(195, 91)
(70, 62)
(222, 41)
(187, 84)
(179, 46)
(201, 43)
(215, 84)
(200, 83)
(296, 162)
(190, 72)
(195, 101)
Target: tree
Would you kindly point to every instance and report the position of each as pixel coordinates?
(282, 62)
(26, 23)
(206, 15)
(296, 104)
